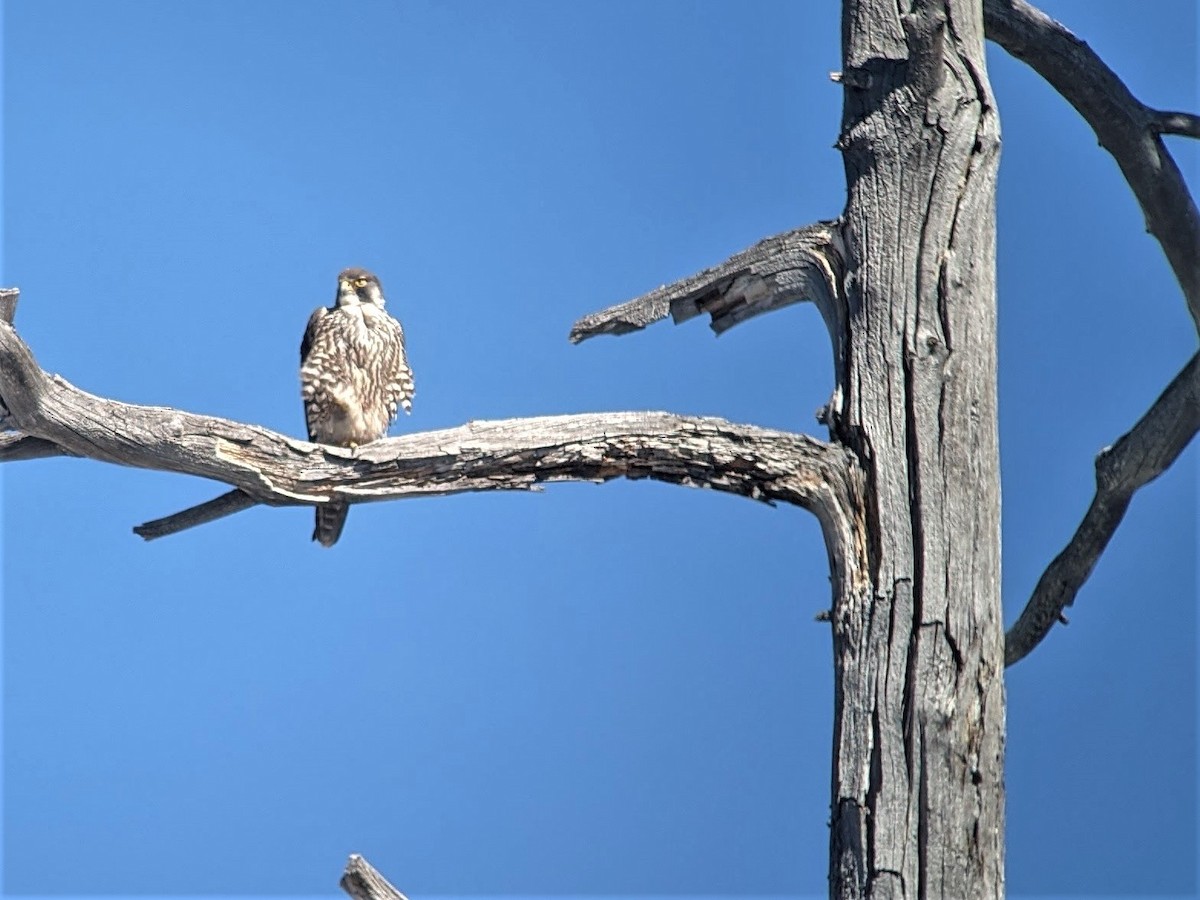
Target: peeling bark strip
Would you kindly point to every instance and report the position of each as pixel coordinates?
(776, 272)
(918, 782)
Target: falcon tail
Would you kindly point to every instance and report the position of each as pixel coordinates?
(331, 519)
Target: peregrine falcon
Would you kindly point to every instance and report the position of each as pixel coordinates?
(353, 376)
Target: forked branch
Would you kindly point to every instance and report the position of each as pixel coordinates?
(8, 304)
(1125, 127)
(804, 264)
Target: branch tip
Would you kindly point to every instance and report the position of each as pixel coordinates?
(781, 270)
(1136, 459)
(362, 881)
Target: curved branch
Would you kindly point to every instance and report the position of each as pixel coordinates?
(513, 454)
(1139, 457)
(1124, 126)
(804, 264)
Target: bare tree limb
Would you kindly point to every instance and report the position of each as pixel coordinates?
(513, 454)
(362, 881)
(1130, 131)
(49, 408)
(1139, 457)
(804, 264)
(1125, 127)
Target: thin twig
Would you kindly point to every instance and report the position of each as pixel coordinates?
(512, 454)
(15, 447)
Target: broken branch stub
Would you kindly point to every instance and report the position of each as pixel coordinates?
(799, 265)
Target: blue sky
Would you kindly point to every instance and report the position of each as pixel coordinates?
(610, 690)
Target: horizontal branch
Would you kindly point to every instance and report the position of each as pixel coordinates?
(1139, 457)
(512, 454)
(1125, 127)
(804, 264)
(362, 881)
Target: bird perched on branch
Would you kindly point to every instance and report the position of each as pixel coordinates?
(354, 375)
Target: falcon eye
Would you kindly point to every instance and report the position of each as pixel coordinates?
(360, 282)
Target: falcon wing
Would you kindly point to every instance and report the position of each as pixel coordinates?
(400, 387)
(310, 331)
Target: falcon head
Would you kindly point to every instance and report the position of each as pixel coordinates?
(359, 286)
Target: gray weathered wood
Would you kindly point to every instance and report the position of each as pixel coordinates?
(362, 881)
(787, 268)
(918, 780)
(9, 298)
(513, 454)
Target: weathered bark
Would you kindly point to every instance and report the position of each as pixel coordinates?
(362, 881)
(1124, 126)
(55, 417)
(918, 795)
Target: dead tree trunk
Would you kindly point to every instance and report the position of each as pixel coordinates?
(918, 799)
